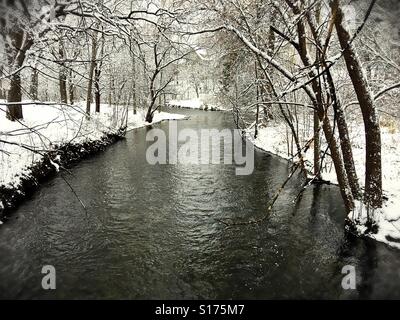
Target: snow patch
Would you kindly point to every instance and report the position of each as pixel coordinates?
(273, 138)
(46, 127)
(194, 104)
(138, 120)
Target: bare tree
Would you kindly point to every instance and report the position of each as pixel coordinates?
(20, 24)
(373, 161)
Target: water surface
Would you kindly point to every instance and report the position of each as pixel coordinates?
(152, 232)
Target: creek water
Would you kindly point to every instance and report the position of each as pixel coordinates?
(153, 232)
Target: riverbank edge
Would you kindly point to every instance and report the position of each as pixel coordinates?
(129, 129)
(208, 109)
(62, 157)
(352, 227)
(288, 161)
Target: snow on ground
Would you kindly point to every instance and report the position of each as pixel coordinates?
(194, 104)
(273, 139)
(47, 126)
(137, 120)
(191, 104)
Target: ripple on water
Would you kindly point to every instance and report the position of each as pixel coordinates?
(152, 232)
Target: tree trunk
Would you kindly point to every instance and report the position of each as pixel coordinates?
(317, 138)
(326, 126)
(373, 161)
(91, 71)
(344, 136)
(338, 163)
(62, 74)
(16, 58)
(71, 88)
(14, 112)
(345, 143)
(150, 114)
(316, 85)
(257, 100)
(271, 51)
(152, 94)
(160, 95)
(2, 93)
(63, 87)
(33, 91)
(134, 84)
(317, 146)
(97, 87)
(316, 122)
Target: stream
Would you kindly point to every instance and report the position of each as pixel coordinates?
(153, 232)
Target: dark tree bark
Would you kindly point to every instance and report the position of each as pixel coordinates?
(257, 99)
(153, 91)
(373, 161)
(63, 88)
(71, 88)
(268, 89)
(301, 48)
(2, 93)
(62, 74)
(91, 71)
(134, 84)
(16, 41)
(337, 159)
(317, 146)
(17, 32)
(150, 112)
(344, 137)
(316, 122)
(33, 91)
(14, 112)
(20, 43)
(97, 73)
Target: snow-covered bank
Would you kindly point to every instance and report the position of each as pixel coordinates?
(194, 104)
(273, 139)
(137, 120)
(51, 136)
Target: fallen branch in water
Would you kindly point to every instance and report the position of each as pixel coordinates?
(74, 193)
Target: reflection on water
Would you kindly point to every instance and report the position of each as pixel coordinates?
(152, 232)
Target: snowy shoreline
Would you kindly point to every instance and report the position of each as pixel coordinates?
(272, 139)
(52, 137)
(65, 156)
(137, 121)
(194, 104)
